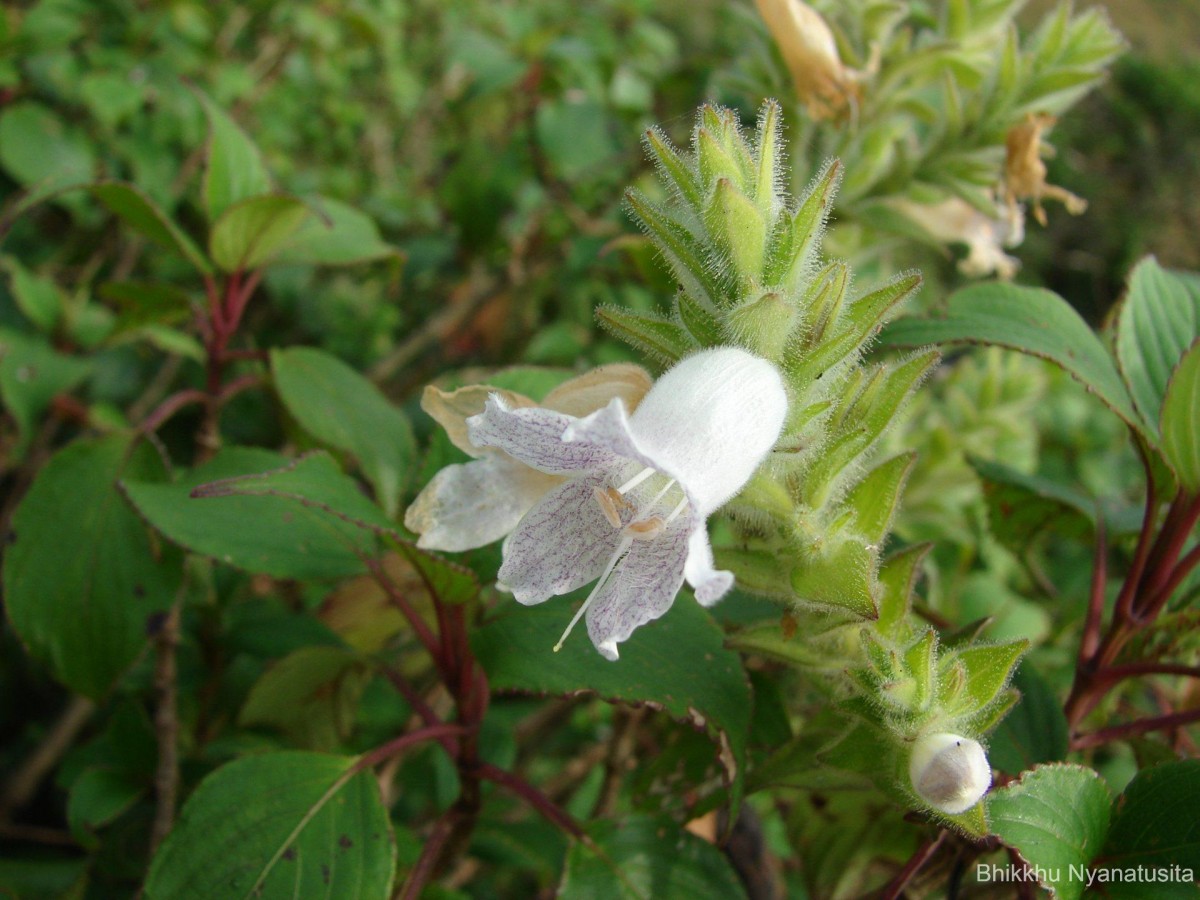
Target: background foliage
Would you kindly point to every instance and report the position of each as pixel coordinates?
(239, 238)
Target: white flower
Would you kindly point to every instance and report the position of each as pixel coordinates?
(949, 772)
(639, 489)
(472, 504)
(955, 221)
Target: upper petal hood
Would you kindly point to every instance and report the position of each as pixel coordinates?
(710, 421)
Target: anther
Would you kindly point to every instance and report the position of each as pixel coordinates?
(645, 530)
(607, 505)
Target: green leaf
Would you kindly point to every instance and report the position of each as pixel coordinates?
(1056, 817)
(646, 858)
(261, 512)
(1180, 423)
(1020, 507)
(1032, 320)
(249, 233)
(81, 577)
(311, 695)
(841, 576)
(1155, 822)
(575, 136)
(98, 796)
(987, 668)
(335, 235)
(875, 498)
(662, 663)
(279, 825)
(340, 408)
(235, 169)
(41, 151)
(1158, 321)
(659, 337)
(38, 298)
(1035, 731)
(130, 204)
(31, 375)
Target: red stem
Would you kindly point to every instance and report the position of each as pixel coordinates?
(1133, 729)
(1166, 570)
(554, 813)
(431, 853)
(1114, 674)
(896, 886)
(169, 407)
(392, 747)
(423, 632)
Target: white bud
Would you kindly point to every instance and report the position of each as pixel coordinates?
(949, 772)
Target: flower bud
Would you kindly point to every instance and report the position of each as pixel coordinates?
(949, 772)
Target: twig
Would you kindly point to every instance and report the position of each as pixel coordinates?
(431, 854)
(24, 782)
(1135, 728)
(166, 726)
(402, 743)
(1114, 674)
(896, 886)
(554, 813)
(424, 634)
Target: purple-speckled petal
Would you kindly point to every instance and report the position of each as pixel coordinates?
(534, 436)
(561, 544)
(641, 588)
(710, 584)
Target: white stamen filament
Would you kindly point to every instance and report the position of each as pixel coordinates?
(675, 512)
(660, 494)
(635, 480)
(612, 564)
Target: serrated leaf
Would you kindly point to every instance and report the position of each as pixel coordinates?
(1035, 731)
(1155, 822)
(278, 825)
(659, 665)
(248, 234)
(1180, 420)
(340, 408)
(646, 858)
(234, 170)
(264, 513)
(655, 335)
(132, 206)
(1057, 818)
(311, 695)
(1158, 321)
(81, 577)
(1031, 320)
